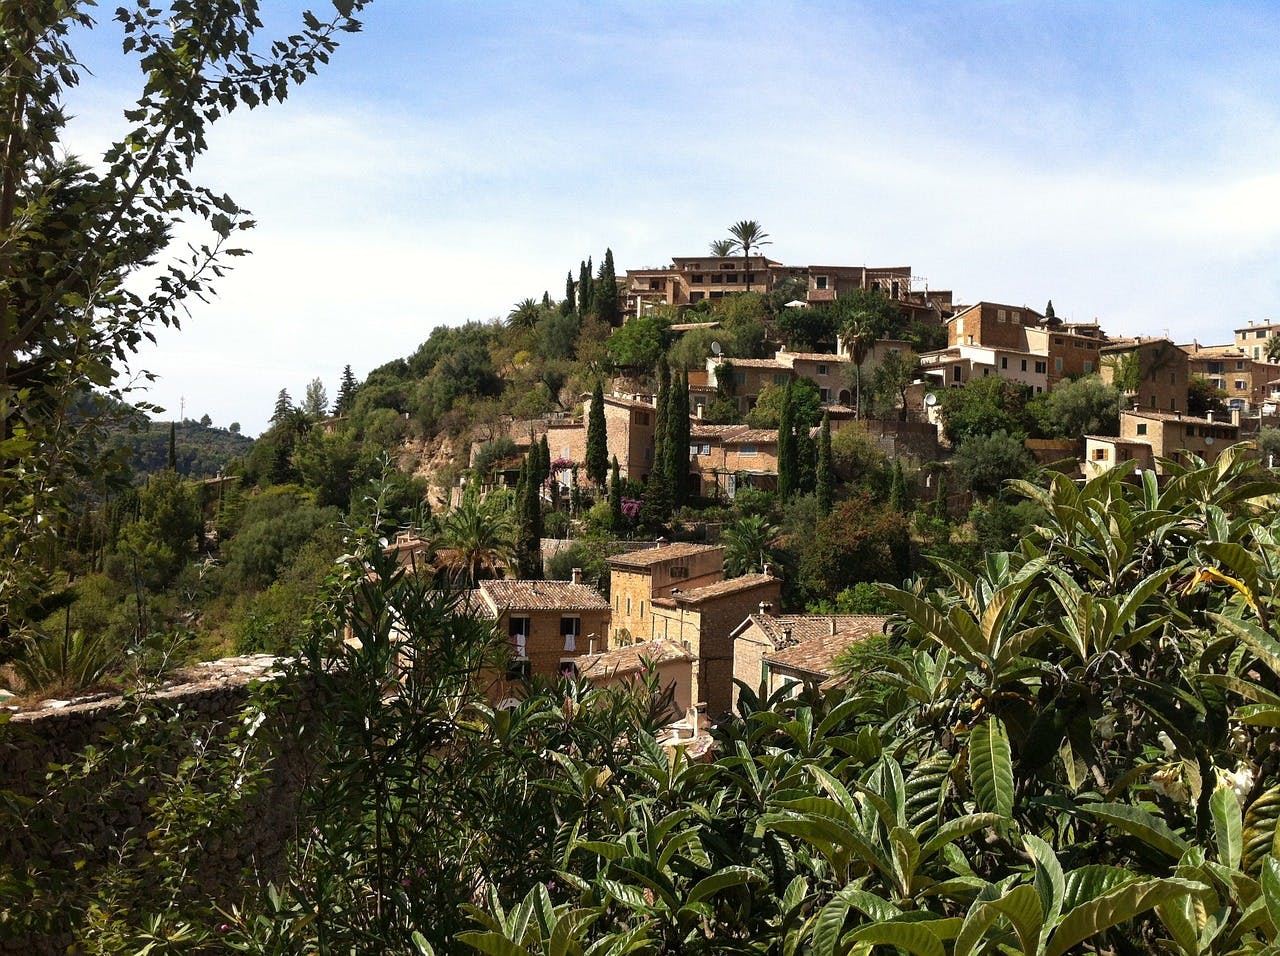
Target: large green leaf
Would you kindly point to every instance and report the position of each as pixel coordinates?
(1050, 882)
(722, 880)
(1117, 906)
(913, 937)
(1147, 827)
(991, 767)
(1226, 826)
(1271, 890)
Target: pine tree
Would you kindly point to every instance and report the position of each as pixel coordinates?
(940, 499)
(615, 496)
(284, 407)
(346, 392)
(787, 470)
(597, 438)
(173, 447)
(605, 295)
(569, 304)
(1048, 310)
(825, 480)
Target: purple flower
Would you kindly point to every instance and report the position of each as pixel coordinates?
(630, 507)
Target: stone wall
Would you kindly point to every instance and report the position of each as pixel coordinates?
(121, 755)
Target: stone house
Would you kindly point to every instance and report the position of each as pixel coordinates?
(955, 365)
(1172, 434)
(726, 458)
(1253, 339)
(637, 578)
(676, 666)
(629, 429)
(1232, 369)
(812, 662)
(763, 634)
(994, 325)
(549, 625)
(702, 619)
(1159, 381)
(1104, 452)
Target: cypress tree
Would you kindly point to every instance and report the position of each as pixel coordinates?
(173, 447)
(678, 431)
(597, 438)
(605, 295)
(546, 299)
(660, 418)
(825, 479)
(544, 459)
(570, 301)
(897, 489)
(1048, 310)
(657, 493)
(575, 492)
(530, 511)
(806, 462)
(940, 499)
(584, 289)
(787, 470)
(615, 496)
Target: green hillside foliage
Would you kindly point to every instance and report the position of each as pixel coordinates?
(201, 451)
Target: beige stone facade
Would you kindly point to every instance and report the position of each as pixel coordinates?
(723, 459)
(676, 666)
(1171, 435)
(637, 578)
(1104, 452)
(629, 428)
(1232, 369)
(1162, 377)
(764, 634)
(548, 624)
(703, 619)
(1253, 339)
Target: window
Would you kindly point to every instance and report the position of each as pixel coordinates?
(959, 327)
(1017, 318)
(1000, 315)
(781, 379)
(518, 668)
(642, 608)
(747, 451)
(716, 295)
(739, 378)
(642, 418)
(518, 631)
(819, 282)
(1004, 363)
(824, 395)
(570, 628)
(1088, 367)
(1260, 334)
(696, 279)
(568, 667)
(1099, 454)
(1142, 428)
(728, 266)
(1240, 384)
(824, 370)
(679, 572)
(1042, 366)
(955, 373)
(1024, 365)
(695, 296)
(628, 604)
(716, 279)
(1239, 366)
(1057, 341)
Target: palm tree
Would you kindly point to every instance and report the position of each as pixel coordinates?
(525, 314)
(747, 545)
(1273, 349)
(477, 538)
(859, 337)
(747, 234)
(720, 248)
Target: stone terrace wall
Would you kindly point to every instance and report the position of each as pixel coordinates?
(89, 812)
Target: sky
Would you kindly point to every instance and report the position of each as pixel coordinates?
(1121, 159)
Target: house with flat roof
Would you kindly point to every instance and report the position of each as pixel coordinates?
(1104, 452)
(1232, 369)
(1253, 339)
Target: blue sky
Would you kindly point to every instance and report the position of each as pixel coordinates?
(1121, 159)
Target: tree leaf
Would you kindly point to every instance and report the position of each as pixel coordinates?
(913, 937)
(1226, 826)
(1117, 906)
(991, 767)
(1148, 828)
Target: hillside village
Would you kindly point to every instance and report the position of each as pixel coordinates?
(671, 605)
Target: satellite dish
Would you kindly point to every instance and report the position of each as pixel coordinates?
(1208, 439)
(931, 399)
(715, 348)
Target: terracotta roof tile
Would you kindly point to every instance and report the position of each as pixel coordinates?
(543, 596)
(630, 658)
(1175, 417)
(709, 592)
(648, 557)
(753, 436)
(785, 630)
(817, 655)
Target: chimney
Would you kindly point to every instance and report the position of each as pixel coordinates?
(765, 607)
(1235, 417)
(833, 620)
(591, 643)
(1209, 415)
(575, 576)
